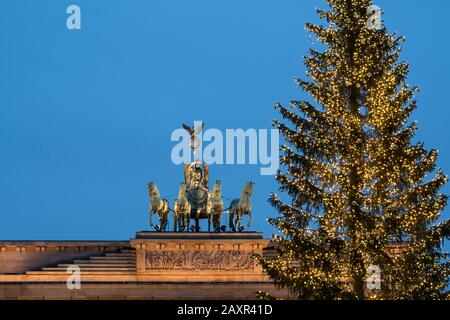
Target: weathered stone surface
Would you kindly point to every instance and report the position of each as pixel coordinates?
(154, 265)
(140, 291)
(18, 257)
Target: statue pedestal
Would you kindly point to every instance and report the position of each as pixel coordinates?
(198, 256)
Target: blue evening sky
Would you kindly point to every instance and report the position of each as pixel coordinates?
(86, 115)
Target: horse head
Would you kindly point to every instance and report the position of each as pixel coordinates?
(152, 189)
(182, 191)
(217, 188)
(247, 192)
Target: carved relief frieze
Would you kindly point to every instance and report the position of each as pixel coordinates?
(223, 260)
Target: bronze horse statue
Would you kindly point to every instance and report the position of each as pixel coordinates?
(181, 210)
(240, 207)
(215, 206)
(159, 206)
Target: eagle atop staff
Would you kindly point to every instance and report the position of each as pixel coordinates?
(194, 144)
(194, 174)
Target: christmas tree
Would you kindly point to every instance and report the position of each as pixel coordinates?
(359, 204)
